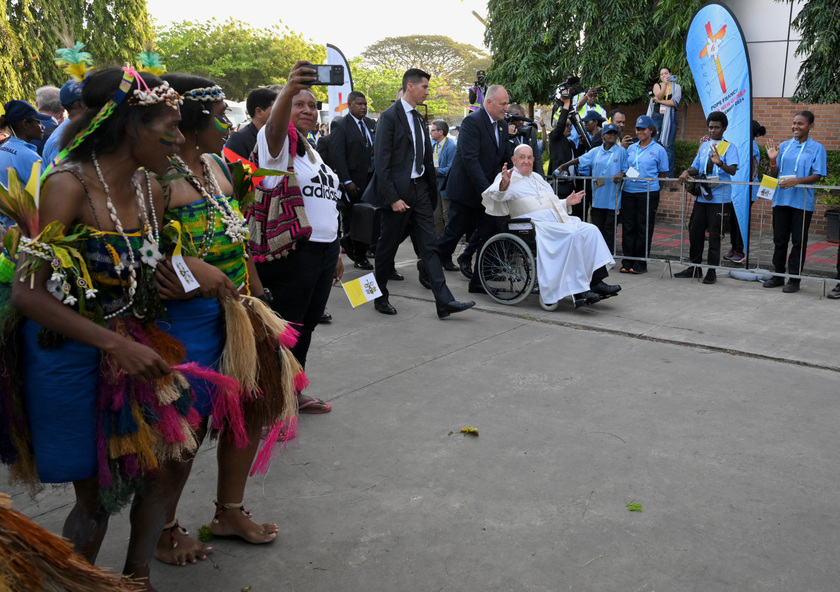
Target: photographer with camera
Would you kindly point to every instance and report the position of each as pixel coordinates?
(719, 161)
(561, 149)
(522, 130)
(478, 91)
(664, 100)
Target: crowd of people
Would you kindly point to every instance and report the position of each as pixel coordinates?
(190, 305)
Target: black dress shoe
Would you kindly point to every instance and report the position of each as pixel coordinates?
(477, 289)
(606, 289)
(465, 265)
(396, 276)
(711, 277)
(791, 287)
(690, 272)
(423, 275)
(774, 282)
(587, 298)
(835, 293)
(363, 264)
(384, 307)
(325, 317)
(448, 265)
(452, 307)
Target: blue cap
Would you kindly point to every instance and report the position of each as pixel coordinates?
(592, 116)
(644, 122)
(609, 128)
(70, 92)
(20, 110)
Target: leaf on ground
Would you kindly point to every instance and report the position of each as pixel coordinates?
(204, 534)
(470, 430)
(450, 433)
(634, 507)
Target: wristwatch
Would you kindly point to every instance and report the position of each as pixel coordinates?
(266, 296)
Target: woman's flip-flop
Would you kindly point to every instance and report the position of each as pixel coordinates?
(314, 406)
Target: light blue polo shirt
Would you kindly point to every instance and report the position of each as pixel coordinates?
(19, 155)
(605, 163)
(722, 193)
(800, 160)
(649, 161)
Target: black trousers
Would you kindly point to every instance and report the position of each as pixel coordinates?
(604, 219)
(300, 284)
(736, 238)
(461, 219)
(636, 213)
(419, 222)
(705, 216)
(790, 225)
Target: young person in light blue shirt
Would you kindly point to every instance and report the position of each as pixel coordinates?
(798, 161)
(647, 158)
(714, 162)
(607, 160)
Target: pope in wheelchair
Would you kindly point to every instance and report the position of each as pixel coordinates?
(572, 256)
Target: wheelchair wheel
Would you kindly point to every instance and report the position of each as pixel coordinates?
(548, 307)
(508, 269)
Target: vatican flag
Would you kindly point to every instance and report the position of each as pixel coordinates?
(362, 290)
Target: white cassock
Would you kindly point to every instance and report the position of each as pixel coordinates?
(568, 249)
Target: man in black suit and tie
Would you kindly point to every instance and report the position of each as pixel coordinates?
(352, 155)
(404, 186)
(482, 150)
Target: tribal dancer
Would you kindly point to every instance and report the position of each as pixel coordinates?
(202, 203)
(92, 391)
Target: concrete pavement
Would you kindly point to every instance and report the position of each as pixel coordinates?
(715, 407)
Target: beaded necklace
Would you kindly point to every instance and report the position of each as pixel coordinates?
(235, 225)
(149, 252)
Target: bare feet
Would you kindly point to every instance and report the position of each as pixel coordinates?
(144, 585)
(233, 522)
(176, 548)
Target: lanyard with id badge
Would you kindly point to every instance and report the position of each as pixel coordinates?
(633, 171)
(598, 183)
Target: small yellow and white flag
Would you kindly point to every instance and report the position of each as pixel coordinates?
(767, 187)
(33, 186)
(722, 147)
(362, 290)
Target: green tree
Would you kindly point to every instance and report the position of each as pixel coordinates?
(438, 55)
(379, 83)
(35, 27)
(819, 77)
(236, 55)
(619, 44)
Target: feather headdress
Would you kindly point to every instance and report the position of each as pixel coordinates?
(149, 61)
(75, 61)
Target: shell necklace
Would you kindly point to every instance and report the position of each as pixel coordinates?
(149, 252)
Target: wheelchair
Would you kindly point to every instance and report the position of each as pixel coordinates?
(507, 265)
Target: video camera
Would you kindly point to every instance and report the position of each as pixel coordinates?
(567, 89)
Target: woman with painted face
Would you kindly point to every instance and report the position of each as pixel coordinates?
(211, 227)
(297, 265)
(102, 406)
(798, 161)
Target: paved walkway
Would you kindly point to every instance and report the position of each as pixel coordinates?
(714, 407)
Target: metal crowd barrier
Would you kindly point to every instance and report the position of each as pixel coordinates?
(684, 212)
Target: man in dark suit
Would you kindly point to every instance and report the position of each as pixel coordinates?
(482, 150)
(351, 146)
(404, 186)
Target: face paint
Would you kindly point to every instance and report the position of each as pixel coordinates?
(223, 125)
(168, 139)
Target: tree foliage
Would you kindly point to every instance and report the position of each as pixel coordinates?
(236, 55)
(819, 76)
(438, 55)
(620, 44)
(31, 32)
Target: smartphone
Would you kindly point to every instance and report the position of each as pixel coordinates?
(537, 112)
(327, 74)
(673, 78)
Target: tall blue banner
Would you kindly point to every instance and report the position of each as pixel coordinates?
(719, 62)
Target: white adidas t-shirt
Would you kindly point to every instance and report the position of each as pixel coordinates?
(317, 182)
